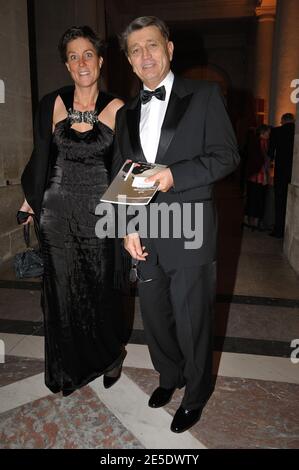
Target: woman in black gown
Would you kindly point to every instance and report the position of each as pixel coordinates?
(81, 317)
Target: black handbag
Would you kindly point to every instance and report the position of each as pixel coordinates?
(29, 263)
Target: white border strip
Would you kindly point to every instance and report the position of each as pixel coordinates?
(22, 392)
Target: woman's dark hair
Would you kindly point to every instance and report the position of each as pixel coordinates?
(76, 32)
(139, 23)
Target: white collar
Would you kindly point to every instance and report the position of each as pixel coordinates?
(167, 82)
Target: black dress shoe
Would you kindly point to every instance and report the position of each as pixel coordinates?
(112, 376)
(109, 381)
(184, 419)
(160, 397)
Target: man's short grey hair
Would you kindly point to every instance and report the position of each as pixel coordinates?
(139, 23)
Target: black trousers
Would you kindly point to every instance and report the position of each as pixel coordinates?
(177, 307)
(255, 204)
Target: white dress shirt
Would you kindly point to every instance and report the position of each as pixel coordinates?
(151, 120)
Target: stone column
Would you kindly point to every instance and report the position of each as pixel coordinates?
(291, 238)
(15, 120)
(285, 59)
(264, 45)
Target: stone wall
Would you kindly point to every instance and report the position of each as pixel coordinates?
(15, 120)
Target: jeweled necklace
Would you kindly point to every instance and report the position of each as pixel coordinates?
(90, 117)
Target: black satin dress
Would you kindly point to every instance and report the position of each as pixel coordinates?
(81, 312)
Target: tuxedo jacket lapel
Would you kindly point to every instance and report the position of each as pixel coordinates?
(133, 120)
(177, 106)
(178, 103)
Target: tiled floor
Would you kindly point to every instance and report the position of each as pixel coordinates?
(254, 404)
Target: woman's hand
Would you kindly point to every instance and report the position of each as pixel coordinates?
(26, 208)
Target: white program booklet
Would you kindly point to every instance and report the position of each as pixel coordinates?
(129, 187)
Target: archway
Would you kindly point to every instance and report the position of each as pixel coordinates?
(209, 72)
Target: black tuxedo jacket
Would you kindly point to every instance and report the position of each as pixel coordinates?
(198, 144)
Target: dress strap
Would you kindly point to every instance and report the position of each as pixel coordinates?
(67, 96)
(102, 101)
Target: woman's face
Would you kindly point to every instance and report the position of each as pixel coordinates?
(265, 134)
(83, 62)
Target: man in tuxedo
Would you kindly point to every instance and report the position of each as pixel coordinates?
(281, 151)
(183, 125)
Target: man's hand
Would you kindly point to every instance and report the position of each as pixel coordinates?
(133, 246)
(26, 208)
(165, 180)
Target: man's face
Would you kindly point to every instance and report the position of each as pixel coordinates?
(150, 55)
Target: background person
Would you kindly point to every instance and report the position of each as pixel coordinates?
(281, 151)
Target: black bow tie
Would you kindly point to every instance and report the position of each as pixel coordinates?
(146, 95)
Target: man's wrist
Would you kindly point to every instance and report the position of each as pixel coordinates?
(132, 235)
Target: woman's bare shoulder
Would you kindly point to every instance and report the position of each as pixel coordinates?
(114, 105)
(59, 112)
